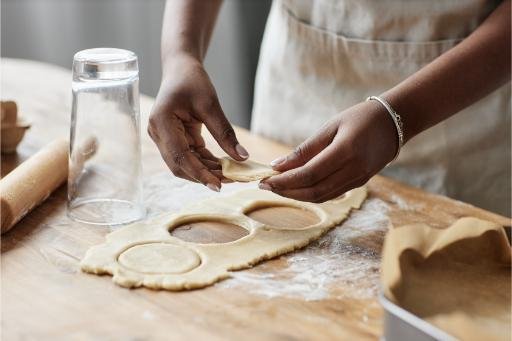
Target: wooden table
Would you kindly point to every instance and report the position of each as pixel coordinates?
(45, 296)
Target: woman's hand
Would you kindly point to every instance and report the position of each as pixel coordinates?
(344, 154)
(185, 101)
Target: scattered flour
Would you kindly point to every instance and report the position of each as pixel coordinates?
(165, 193)
(147, 315)
(348, 254)
(403, 204)
(314, 272)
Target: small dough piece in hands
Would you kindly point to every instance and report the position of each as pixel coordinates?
(246, 171)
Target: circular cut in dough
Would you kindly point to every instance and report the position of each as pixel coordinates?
(159, 258)
(283, 217)
(209, 232)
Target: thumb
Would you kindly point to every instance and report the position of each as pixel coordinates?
(306, 150)
(223, 132)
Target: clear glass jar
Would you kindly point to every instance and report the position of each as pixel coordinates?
(105, 171)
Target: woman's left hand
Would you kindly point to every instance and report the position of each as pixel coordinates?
(344, 154)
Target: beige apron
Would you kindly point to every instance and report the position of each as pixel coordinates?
(320, 57)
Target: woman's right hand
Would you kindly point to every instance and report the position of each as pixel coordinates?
(187, 99)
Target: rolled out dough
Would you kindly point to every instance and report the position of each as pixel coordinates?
(146, 254)
(246, 171)
(457, 278)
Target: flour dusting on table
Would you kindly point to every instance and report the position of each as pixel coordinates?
(339, 257)
(402, 204)
(348, 254)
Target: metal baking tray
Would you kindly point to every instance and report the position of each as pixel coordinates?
(401, 325)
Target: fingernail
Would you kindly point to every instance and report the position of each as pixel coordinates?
(241, 151)
(264, 186)
(277, 161)
(213, 187)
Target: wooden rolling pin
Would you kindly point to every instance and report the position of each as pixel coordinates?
(35, 179)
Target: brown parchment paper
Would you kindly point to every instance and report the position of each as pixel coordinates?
(456, 278)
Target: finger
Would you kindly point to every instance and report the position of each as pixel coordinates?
(331, 187)
(218, 173)
(223, 132)
(153, 132)
(306, 150)
(196, 141)
(190, 140)
(182, 175)
(317, 168)
(206, 154)
(197, 144)
(211, 165)
(197, 170)
(337, 193)
(176, 153)
(194, 138)
(224, 180)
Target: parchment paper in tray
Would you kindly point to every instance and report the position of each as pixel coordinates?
(456, 278)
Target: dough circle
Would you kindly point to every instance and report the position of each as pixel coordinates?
(162, 261)
(246, 171)
(159, 258)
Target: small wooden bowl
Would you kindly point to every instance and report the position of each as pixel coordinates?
(11, 136)
(13, 128)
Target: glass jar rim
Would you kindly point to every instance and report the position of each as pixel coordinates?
(102, 55)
